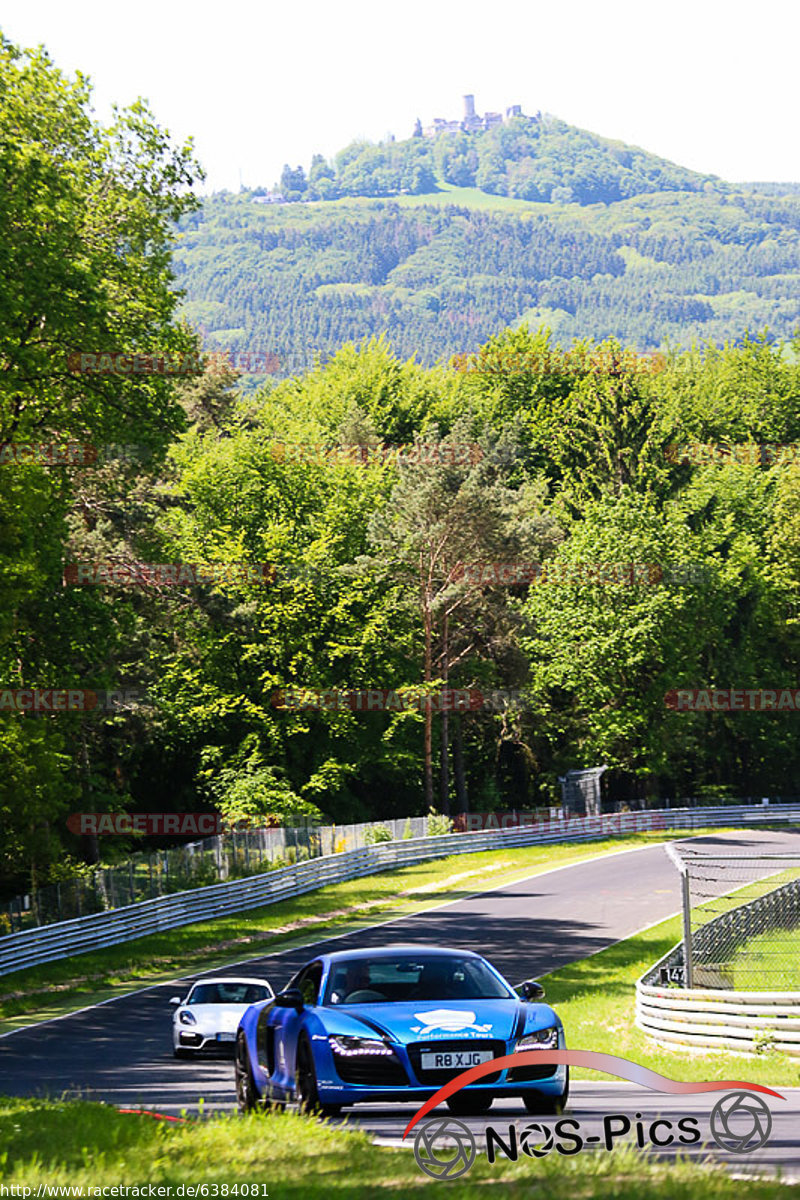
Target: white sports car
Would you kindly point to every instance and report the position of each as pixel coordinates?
(211, 1012)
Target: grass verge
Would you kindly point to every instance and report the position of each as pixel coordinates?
(54, 988)
(78, 1144)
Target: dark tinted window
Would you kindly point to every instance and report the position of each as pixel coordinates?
(265, 1040)
(421, 977)
(308, 981)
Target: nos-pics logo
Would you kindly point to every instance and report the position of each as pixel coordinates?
(445, 1148)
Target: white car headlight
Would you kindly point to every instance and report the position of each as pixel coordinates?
(344, 1044)
(539, 1039)
(186, 1018)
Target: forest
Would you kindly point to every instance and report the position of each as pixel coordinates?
(296, 281)
(384, 519)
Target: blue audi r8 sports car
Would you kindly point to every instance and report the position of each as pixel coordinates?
(394, 1024)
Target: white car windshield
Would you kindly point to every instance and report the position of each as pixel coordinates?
(228, 993)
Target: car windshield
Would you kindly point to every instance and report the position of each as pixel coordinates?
(228, 993)
(409, 978)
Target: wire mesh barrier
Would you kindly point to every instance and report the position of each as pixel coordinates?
(733, 981)
(741, 920)
(235, 855)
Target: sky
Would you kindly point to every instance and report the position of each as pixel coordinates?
(710, 84)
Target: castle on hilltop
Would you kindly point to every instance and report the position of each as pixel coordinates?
(473, 122)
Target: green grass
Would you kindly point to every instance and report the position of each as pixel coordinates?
(770, 961)
(62, 986)
(447, 193)
(78, 1143)
(466, 197)
(595, 999)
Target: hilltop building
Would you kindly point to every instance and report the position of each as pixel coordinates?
(473, 122)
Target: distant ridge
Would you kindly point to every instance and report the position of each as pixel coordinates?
(440, 242)
(771, 189)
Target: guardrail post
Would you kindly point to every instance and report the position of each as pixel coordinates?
(688, 965)
(687, 931)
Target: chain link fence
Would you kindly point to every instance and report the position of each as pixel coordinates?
(228, 856)
(741, 921)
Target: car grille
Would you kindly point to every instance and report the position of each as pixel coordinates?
(417, 1049)
(370, 1070)
(190, 1039)
(529, 1074)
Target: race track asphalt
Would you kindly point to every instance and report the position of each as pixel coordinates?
(121, 1051)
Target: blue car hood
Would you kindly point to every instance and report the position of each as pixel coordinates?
(425, 1020)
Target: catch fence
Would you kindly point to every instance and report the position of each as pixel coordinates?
(741, 919)
(733, 981)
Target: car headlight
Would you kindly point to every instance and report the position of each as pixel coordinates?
(539, 1039)
(187, 1018)
(344, 1044)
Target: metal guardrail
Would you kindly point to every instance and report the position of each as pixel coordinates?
(748, 1022)
(98, 930)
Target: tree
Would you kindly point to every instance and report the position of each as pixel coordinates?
(442, 514)
(87, 217)
(86, 220)
(293, 182)
(320, 169)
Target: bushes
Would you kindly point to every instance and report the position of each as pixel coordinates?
(438, 823)
(377, 833)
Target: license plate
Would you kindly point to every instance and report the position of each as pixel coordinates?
(454, 1059)
(226, 1037)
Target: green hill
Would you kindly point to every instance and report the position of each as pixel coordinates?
(659, 255)
(524, 158)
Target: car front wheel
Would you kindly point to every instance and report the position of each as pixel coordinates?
(246, 1095)
(306, 1084)
(547, 1106)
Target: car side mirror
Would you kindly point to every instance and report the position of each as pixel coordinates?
(291, 998)
(176, 1000)
(532, 990)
